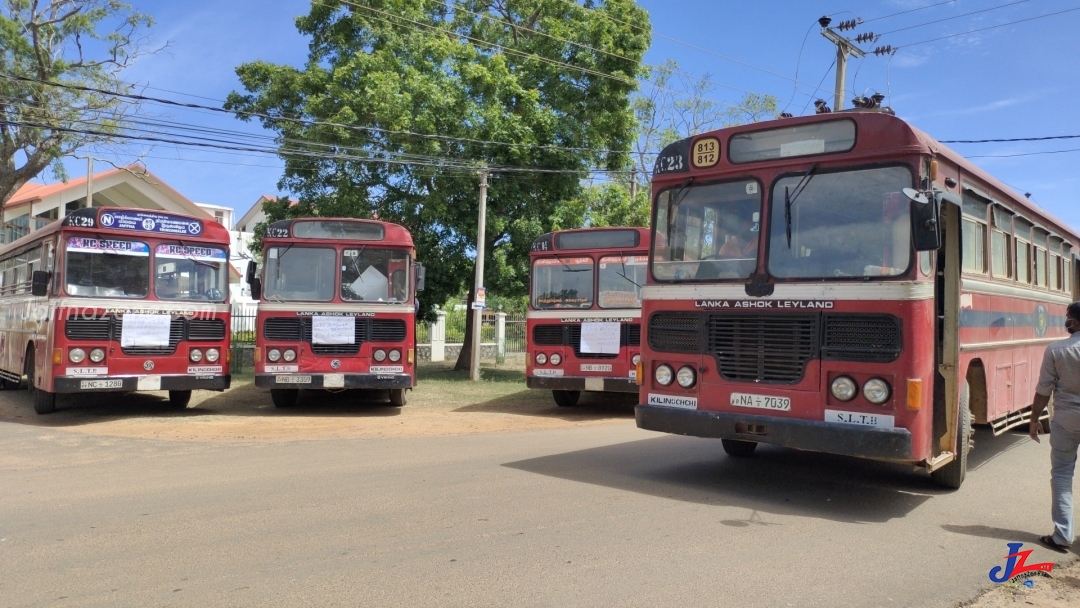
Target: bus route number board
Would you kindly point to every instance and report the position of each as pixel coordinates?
(761, 402)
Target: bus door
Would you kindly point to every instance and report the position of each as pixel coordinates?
(947, 309)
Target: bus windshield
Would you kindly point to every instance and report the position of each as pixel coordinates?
(843, 224)
(307, 274)
(183, 272)
(621, 279)
(107, 268)
(707, 232)
(374, 275)
(562, 283)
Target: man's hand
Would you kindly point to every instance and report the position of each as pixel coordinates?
(1034, 428)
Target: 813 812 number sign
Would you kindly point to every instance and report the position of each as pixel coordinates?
(706, 153)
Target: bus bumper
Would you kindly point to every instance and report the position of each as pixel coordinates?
(817, 436)
(333, 381)
(127, 384)
(564, 383)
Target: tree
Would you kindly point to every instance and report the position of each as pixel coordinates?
(74, 42)
(543, 75)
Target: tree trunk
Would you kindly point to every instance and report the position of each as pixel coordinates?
(464, 360)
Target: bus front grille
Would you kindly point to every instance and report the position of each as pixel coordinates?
(675, 332)
(88, 328)
(282, 328)
(772, 348)
(548, 335)
(873, 338)
(387, 330)
(570, 335)
(206, 329)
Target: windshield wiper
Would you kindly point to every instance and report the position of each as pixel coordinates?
(789, 199)
(622, 260)
(568, 269)
(675, 200)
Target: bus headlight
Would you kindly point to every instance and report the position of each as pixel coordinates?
(686, 376)
(541, 358)
(844, 388)
(212, 355)
(635, 359)
(77, 355)
(395, 355)
(289, 355)
(556, 358)
(196, 355)
(876, 391)
(273, 355)
(380, 355)
(664, 375)
(97, 355)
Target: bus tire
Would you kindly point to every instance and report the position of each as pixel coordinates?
(737, 448)
(398, 397)
(179, 399)
(284, 397)
(566, 398)
(44, 401)
(952, 475)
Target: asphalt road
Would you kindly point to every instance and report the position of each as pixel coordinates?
(598, 515)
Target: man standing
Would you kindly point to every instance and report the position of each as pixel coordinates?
(1060, 378)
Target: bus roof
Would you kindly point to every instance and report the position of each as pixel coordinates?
(133, 221)
(585, 239)
(340, 229)
(676, 163)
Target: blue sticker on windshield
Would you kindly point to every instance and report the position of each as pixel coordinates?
(151, 222)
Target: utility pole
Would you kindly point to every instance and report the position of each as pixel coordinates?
(633, 185)
(478, 282)
(844, 47)
(89, 181)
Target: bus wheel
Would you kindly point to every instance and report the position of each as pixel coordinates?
(179, 399)
(952, 474)
(44, 401)
(566, 398)
(284, 397)
(736, 448)
(397, 397)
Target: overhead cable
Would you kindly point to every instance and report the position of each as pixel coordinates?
(982, 29)
(936, 21)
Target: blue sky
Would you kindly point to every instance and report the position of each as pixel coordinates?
(1021, 80)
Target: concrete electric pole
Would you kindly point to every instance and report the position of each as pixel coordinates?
(478, 282)
(844, 47)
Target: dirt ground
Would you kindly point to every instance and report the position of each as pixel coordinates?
(1061, 591)
(444, 403)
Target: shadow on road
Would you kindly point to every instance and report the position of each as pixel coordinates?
(592, 406)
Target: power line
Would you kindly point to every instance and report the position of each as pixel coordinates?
(985, 10)
(909, 11)
(990, 141)
(1023, 154)
(1068, 10)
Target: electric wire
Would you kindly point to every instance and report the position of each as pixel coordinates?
(908, 11)
(991, 141)
(1024, 154)
(982, 29)
(936, 21)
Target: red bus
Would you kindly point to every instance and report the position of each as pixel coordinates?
(116, 300)
(337, 308)
(584, 318)
(844, 283)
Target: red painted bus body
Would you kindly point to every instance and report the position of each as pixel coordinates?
(584, 319)
(785, 279)
(337, 308)
(117, 300)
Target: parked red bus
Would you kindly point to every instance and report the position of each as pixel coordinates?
(584, 318)
(844, 283)
(116, 300)
(337, 308)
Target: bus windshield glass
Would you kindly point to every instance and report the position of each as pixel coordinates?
(844, 224)
(106, 268)
(621, 279)
(183, 272)
(306, 274)
(562, 283)
(707, 232)
(374, 275)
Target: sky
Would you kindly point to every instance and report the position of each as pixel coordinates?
(1019, 80)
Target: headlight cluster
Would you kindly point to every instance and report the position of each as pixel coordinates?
(665, 375)
(875, 390)
(273, 355)
(381, 355)
(78, 355)
(542, 359)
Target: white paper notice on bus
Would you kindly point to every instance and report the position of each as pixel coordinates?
(600, 338)
(333, 330)
(145, 330)
(859, 418)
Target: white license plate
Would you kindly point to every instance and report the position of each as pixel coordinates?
(595, 367)
(761, 402)
(549, 373)
(88, 371)
(333, 381)
(292, 379)
(387, 369)
(281, 369)
(861, 419)
(101, 383)
(204, 369)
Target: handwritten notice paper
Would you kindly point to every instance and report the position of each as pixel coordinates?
(600, 338)
(333, 330)
(145, 330)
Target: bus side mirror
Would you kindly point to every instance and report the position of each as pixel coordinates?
(421, 273)
(256, 288)
(39, 283)
(925, 224)
(249, 276)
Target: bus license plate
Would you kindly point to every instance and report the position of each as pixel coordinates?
(761, 402)
(292, 379)
(101, 384)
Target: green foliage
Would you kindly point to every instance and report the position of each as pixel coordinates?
(406, 65)
(607, 204)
